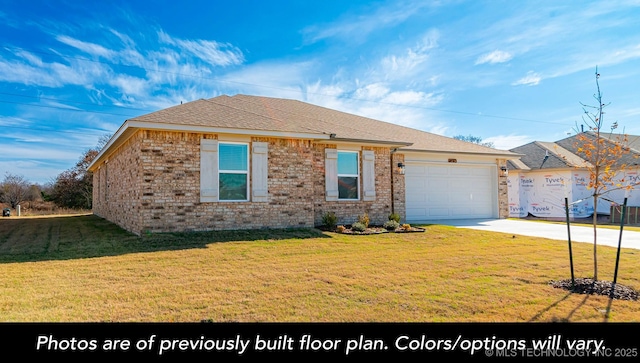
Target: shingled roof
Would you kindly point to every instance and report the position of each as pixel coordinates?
(286, 115)
(565, 154)
(545, 155)
(256, 115)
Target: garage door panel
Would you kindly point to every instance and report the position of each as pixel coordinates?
(417, 168)
(418, 213)
(440, 184)
(460, 212)
(449, 191)
(437, 199)
(460, 198)
(481, 198)
(460, 186)
(459, 171)
(416, 183)
(437, 170)
(418, 201)
(481, 172)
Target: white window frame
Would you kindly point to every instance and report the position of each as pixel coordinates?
(357, 176)
(246, 172)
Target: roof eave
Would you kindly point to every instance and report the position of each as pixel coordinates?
(391, 144)
(509, 155)
(129, 127)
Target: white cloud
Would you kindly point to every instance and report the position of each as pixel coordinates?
(17, 72)
(496, 56)
(170, 69)
(506, 142)
(13, 121)
(374, 91)
(357, 26)
(32, 170)
(405, 65)
(531, 79)
(130, 86)
(90, 48)
(382, 104)
(40, 153)
(209, 51)
(277, 79)
(125, 39)
(439, 129)
(412, 98)
(29, 69)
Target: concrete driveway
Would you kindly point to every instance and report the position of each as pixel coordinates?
(606, 236)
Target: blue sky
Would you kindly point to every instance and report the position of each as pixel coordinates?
(510, 72)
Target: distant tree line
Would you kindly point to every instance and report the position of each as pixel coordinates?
(73, 188)
(474, 139)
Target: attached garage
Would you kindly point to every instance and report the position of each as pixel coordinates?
(436, 191)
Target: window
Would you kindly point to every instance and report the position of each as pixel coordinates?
(348, 175)
(233, 174)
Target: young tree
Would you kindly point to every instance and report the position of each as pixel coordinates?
(606, 158)
(15, 189)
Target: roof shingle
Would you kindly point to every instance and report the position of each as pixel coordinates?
(277, 114)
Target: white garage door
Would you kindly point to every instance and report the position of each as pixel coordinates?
(437, 191)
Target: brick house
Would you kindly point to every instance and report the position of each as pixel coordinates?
(243, 162)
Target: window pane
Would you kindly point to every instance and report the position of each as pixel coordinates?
(233, 157)
(347, 163)
(233, 186)
(347, 187)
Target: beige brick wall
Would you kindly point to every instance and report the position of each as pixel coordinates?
(165, 195)
(348, 211)
(171, 193)
(152, 184)
(116, 192)
(503, 191)
(398, 187)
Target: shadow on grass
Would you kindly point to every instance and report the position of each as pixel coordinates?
(560, 319)
(85, 236)
(548, 308)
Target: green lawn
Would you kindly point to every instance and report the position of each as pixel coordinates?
(85, 269)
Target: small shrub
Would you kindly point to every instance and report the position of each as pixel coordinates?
(364, 219)
(394, 217)
(330, 220)
(358, 227)
(340, 229)
(406, 227)
(391, 225)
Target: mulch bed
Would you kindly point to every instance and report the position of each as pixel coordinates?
(379, 230)
(371, 230)
(591, 287)
(411, 230)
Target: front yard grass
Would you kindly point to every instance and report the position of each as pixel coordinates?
(85, 269)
